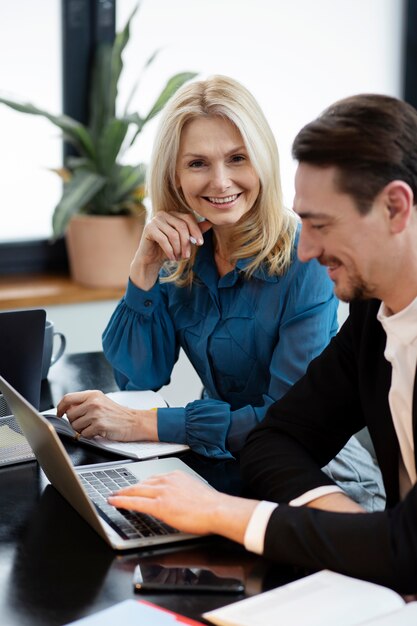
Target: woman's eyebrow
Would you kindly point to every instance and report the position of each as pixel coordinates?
(203, 156)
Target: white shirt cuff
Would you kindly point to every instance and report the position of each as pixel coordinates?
(254, 539)
(308, 496)
(255, 531)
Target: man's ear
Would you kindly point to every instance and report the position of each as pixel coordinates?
(399, 201)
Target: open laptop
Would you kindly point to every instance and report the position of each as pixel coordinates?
(21, 349)
(86, 488)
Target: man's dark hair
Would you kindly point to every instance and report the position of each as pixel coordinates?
(371, 139)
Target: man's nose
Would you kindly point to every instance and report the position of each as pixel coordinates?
(308, 248)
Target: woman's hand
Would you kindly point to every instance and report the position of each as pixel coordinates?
(188, 504)
(168, 236)
(92, 413)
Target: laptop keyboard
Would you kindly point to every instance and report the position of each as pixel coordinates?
(13, 446)
(128, 524)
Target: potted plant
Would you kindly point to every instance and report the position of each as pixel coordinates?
(99, 192)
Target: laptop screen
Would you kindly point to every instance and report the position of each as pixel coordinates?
(21, 348)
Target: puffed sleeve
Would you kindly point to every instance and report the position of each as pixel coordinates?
(308, 321)
(202, 424)
(139, 340)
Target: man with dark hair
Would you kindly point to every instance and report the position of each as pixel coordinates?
(356, 190)
(369, 138)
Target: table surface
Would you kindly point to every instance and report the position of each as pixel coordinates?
(55, 569)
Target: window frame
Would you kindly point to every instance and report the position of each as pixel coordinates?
(84, 24)
(410, 53)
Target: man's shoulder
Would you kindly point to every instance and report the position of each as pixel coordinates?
(362, 326)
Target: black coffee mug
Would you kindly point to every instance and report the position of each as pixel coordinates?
(49, 355)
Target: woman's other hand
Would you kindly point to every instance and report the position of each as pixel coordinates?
(167, 237)
(92, 413)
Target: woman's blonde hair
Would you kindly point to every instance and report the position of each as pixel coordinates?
(267, 231)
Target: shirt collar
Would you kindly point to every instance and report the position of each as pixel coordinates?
(402, 324)
(205, 268)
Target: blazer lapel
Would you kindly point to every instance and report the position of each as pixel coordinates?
(382, 429)
(415, 418)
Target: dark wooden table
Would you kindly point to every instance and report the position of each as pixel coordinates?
(55, 569)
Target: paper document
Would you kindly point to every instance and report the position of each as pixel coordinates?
(322, 599)
(138, 399)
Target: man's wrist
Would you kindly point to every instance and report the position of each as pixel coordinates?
(230, 516)
(254, 540)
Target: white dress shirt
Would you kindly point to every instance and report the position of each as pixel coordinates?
(401, 352)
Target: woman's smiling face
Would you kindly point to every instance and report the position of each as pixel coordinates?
(214, 171)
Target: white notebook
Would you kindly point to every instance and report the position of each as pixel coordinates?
(322, 599)
(132, 450)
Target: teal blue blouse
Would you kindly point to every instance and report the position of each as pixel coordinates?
(248, 339)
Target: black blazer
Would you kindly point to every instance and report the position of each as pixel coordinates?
(343, 390)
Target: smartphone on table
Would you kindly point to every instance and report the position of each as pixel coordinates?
(155, 577)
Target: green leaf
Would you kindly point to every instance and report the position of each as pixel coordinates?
(127, 179)
(134, 118)
(173, 84)
(82, 187)
(109, 144)
(136, 85)
(74, 131)
(152, 58)
(119, 45)
(74, 162)
(102, 108)
(107, 68)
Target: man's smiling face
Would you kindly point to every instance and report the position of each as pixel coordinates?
(350, 244)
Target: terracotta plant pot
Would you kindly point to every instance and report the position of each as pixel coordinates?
(101, 248)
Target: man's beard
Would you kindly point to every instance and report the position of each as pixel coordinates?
(355, 289)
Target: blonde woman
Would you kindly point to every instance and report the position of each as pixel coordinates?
(216, 273)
